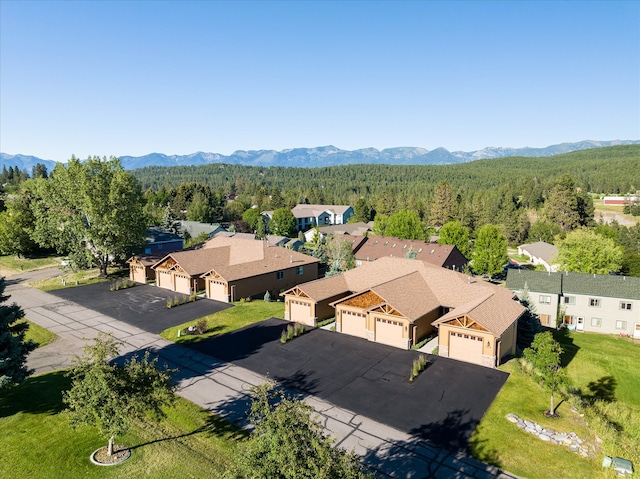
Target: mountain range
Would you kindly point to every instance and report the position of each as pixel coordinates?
(327, 156)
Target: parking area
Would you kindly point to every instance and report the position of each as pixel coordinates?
(142, 306)
(443, 406)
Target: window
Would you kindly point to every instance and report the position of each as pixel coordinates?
(596, 322)
(544, 319)
(299, 270)
(594, 302)
(625, 306)
(569, 300)
(545, 299)
(621, 324)
(280, 274)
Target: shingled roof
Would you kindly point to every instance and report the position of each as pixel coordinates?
(624, 287)
(234, 258)
(416, 287)
(308, 211)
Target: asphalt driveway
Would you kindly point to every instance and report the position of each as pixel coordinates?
(443, 406)
(142, 306)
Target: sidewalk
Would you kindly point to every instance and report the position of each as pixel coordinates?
(223, 389)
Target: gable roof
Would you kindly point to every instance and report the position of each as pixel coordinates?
(155, 235)
(542, 250)
(273, 240)
(234, 258)
(357, 229)
(194, 228)
(538, 281)
(416, 287)
(377, 247)
(308, 211)
(611, 286)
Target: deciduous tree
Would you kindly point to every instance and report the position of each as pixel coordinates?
(288, 443)
(585, 251)
(13, 347)
(544, 356)
(490, 251)
(111, 397)
(406, 224)
(283, 223)
(454, 233)
(92, 208)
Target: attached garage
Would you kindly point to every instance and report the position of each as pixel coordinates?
(389, 332)
(137, 273)
(301, 312)
(465, 347)
(183, 284)
(354, 324)
(164, 279)
(217, 291)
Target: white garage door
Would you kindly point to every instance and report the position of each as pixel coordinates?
(390, 332)
(183, 285)
(301, 312)
(164, 280)
(216, 291)
(354, 324)
(137, 274)
(465, 347)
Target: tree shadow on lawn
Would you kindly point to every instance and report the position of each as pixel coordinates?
(40, 394)
(603, 389)
(569, 349)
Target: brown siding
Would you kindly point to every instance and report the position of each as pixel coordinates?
(256, 286)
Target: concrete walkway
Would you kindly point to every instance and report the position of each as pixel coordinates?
(223, 389)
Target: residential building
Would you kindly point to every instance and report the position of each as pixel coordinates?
(308, 216)
(540, 253)
(160, 241)
(584, 302)
(399, 301)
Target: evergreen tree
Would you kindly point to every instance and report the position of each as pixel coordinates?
(13, 347)
(529, 322)
(443, 206)
(562, 206)
(170, 222)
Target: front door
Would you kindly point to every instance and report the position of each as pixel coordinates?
(636, 331)
(580, 324)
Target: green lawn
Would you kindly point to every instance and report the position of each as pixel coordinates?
(240, 315)
(39, 335)
(37, 442)
(592, 357)
(80, 278)
(11, 264)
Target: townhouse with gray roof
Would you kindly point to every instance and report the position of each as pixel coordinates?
(584, 302)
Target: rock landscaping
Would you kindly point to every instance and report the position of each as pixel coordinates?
(570, 440)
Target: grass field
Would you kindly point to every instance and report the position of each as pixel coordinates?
(592, 357)
(36, 441)
(240, 315)
(39, 335)
(80, 278)
(11, 264)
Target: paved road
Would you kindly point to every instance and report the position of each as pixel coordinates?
(223, 388)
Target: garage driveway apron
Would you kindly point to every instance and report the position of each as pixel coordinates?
(223, 388)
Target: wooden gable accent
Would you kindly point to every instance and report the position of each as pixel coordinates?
(297, 292)
(365, 300)
(387, 309)
(466, 322)
(212, 275)
(167, 264)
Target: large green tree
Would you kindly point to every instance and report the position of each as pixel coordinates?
(585, 251)
(454, 233)
(13, 347)
(567, 206)
(283, 223)
(406, 224)
(443, 206)
(90, 209)
(544, 356)
(111, 397)
(489, 251)
(543, 231)
(288, 443)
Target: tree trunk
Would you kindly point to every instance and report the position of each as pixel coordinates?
(110, 449)
(551, 406)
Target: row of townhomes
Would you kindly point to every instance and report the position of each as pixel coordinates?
(308, 216)
(399, 301)
(227, 269)
(582, 302)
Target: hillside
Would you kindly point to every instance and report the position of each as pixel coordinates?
(613, 169)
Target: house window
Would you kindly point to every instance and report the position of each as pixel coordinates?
(569, 300)
(568, 320)
(147, 251)
(596, 322)
(625, 306)
(594, 302)
(299, 270)
(280, 274)
(544, 319)
(621, 324)
(545, 299)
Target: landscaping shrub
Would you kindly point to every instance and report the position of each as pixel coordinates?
(169, 303)
(202, 326)
(283, 336)
(267, 297)
(419, 364)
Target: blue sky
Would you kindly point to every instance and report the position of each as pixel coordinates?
(131, 78)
